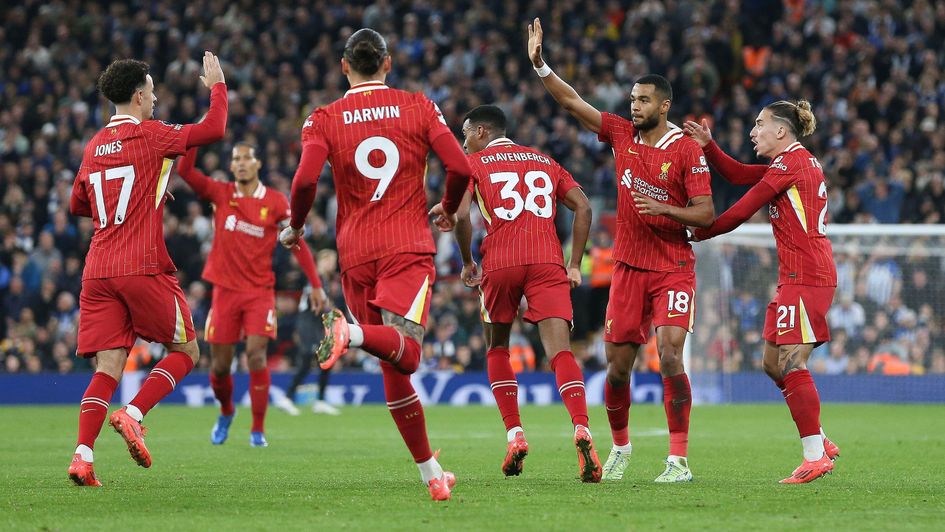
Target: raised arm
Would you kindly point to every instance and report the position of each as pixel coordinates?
(563, 93)
(580, 229)
(213, 126)
(745, 208)
(201, 183)
(304, 186)
(731, 170)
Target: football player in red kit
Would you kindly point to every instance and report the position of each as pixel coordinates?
(128, 286)
(247, 217)
(662, 187)
(517, 190)
(794, 187)
(377, 139)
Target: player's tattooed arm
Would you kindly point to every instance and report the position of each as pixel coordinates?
(402, 324)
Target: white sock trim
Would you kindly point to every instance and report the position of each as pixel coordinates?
(134, 413)
(85, 452)
(813, 447)
(513, 431)
(430, 470)
(355, 335)
(624, 448)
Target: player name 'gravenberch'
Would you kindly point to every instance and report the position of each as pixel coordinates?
(514, 156)
(371, 113)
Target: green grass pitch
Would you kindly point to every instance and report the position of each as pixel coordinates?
(353, 472)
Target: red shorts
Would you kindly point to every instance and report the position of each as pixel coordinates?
(545, 287)
(236, 314)
(640, 299)
(114, 312)
(401, 284)
(798, 315)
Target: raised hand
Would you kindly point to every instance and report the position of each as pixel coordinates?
(699, 132)
(534, 43)
(212, 72)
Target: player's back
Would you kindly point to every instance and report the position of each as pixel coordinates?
(517, 189)
(124, 176)
(799, 218)
(378, 139)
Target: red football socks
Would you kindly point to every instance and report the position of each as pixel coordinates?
(504, 385)
(804, 401)
(94, 407)
(570, 383)
(617, 401)
(389, 345)
(223, 391)
(162, 380)
(259, 397)
(677, 401)
(405, 408)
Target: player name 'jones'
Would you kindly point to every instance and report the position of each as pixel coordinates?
(108, 149)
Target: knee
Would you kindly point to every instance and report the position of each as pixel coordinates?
(773, 369)
(671, 361)
(190, 349)
(255, 359)
(618, 374)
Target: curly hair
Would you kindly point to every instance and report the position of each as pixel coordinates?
(122, 78)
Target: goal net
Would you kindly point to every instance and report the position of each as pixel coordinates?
(886, 317)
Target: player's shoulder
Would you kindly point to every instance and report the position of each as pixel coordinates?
(792, 160)
(159, 126)
(686, 144)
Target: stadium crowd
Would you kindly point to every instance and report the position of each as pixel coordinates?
(873, 70)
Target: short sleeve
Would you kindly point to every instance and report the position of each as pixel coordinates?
(436, 124)
(614, 129)
(281, 206)
(168, 140)
(697, 178)
(781, 173)
(313, 130)
(566, 182)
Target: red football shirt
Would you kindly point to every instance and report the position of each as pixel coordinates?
(245, 233)
(799, 218)
(517, 189)
(378, 139)
(122, 181)
(673, 171)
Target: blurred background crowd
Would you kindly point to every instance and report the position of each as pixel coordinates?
(873, 70)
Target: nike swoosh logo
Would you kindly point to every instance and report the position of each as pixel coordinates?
(679, 401)
(671, 315)
(632, 152)
(784, 332)
(88, 410)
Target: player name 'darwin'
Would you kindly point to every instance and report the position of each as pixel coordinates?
(371, 113)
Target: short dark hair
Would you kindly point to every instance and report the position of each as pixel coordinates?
(365, 51)
(662, 85)
(246, 144)
(488, 115)
(122, 78)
